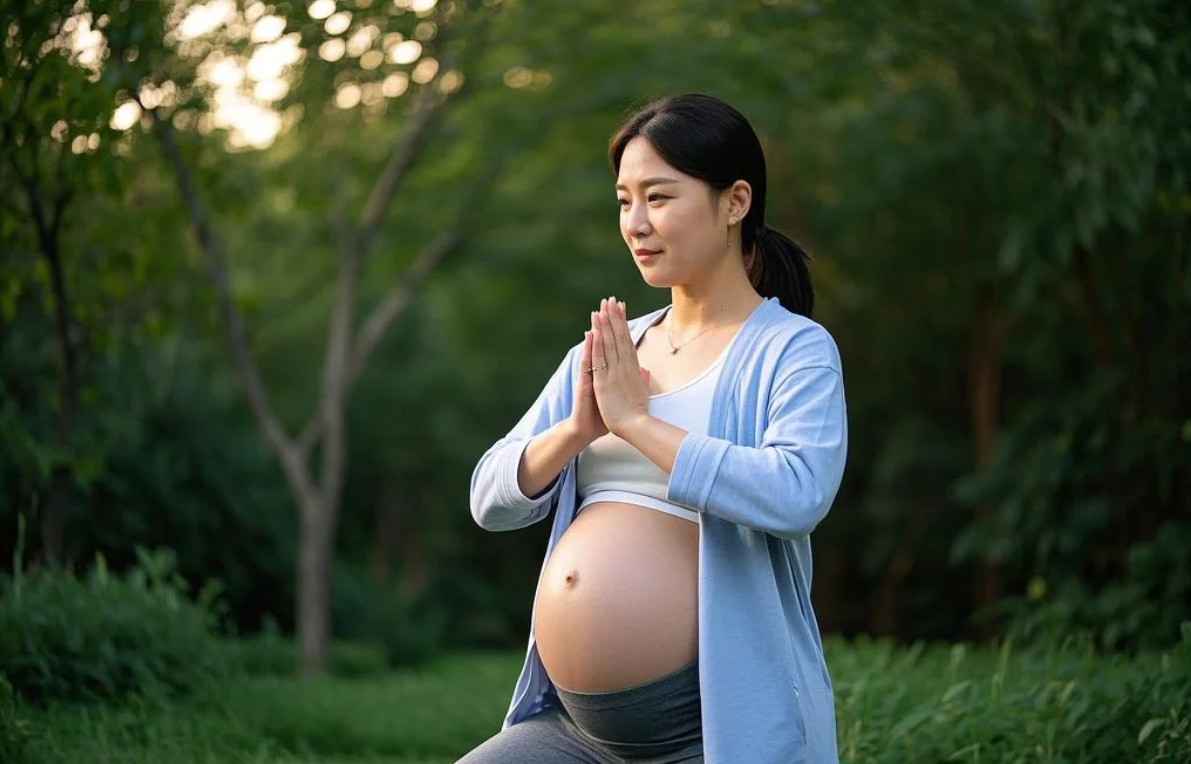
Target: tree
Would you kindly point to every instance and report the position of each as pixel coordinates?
(57, 145)
(314, 459)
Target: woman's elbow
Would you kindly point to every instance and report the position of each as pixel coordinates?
(484, 498)
(497, 518)
(814, 499)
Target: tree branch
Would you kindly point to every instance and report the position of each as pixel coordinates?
(398, 166)
(394, 303)
(292, 459)
(354, 243)
(345, 359)
(329, 409)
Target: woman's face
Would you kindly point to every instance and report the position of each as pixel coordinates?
(676, 226)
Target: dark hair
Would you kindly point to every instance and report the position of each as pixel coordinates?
(707, 139)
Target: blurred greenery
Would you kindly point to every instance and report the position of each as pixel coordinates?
(996, 195)
(15, 731)
(895, 704)
(105, 637)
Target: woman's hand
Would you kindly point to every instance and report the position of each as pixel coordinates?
(586, 422)
(621, 386)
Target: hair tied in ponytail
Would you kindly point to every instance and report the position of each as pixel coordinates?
(780, 268)
(762, 235)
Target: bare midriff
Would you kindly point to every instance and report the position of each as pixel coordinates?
(617, 605)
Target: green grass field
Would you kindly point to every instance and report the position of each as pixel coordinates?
(918, 704)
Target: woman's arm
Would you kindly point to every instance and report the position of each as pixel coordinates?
(498, 501)
(786, 485)
(546, 454)
(657, 440)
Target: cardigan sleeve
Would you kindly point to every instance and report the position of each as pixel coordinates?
(786, 484)
(497, 502)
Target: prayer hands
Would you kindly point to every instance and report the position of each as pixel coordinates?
(586, 422)
(620, 386)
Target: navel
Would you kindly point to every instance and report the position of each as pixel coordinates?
(571, 580)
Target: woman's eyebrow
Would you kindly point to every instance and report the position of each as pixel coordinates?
(658, 181)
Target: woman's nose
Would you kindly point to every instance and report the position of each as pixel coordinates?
(637, 223)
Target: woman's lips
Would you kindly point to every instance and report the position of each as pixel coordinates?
(643, 254)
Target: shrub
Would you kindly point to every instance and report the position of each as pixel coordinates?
(1141, 610)
(273, 654)
(1059, 704)
(106, 636)
(266, 653)
(14, 731)
(409, 631)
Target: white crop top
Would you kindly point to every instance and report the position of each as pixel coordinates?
(612, 470)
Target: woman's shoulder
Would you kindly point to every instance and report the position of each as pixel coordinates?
(790, 338)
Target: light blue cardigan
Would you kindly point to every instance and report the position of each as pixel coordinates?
(762, 479)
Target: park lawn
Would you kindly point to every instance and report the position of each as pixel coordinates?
(894, 704)
(418, 716)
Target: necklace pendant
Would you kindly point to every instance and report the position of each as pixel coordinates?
(673, 351)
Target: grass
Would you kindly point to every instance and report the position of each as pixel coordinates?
(425, 716)
(915, 704)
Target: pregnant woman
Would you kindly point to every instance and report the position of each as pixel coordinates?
(687, 454)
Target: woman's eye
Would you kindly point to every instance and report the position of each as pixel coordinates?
(656, 198)
(622, 202)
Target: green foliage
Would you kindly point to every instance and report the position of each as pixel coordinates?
(409, 630)
(273, 654)
(1144, 608)
(183, 468)
(14, 729)
(164, 457)
(403, 630)
(996, 194)
(917, 705)
(266, 653)
(105, 636)
(1063, 704)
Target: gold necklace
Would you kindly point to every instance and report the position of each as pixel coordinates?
(675, 348)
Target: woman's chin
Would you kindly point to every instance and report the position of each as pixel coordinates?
(655, 278)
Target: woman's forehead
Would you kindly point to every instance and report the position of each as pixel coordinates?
(641, 165)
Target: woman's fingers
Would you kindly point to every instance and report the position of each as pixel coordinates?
(620, 326)
(585, 359)
(597, 345)
(607, 334)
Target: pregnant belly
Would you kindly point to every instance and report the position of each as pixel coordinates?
(617, 605)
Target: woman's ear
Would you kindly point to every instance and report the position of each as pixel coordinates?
(740, 199)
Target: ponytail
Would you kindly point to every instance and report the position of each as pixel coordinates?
(778, 268)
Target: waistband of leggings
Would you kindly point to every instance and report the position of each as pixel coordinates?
(644, 693)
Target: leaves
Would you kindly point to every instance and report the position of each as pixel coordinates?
(996, 195)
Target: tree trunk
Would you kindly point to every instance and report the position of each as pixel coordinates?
(314, 584)
(885, 614)
(53, 519)
(984, 395)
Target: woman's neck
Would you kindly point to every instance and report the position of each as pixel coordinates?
(695, 310)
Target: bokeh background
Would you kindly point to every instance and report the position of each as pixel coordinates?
(274, 275)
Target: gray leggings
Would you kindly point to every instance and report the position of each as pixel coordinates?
(658, 722)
